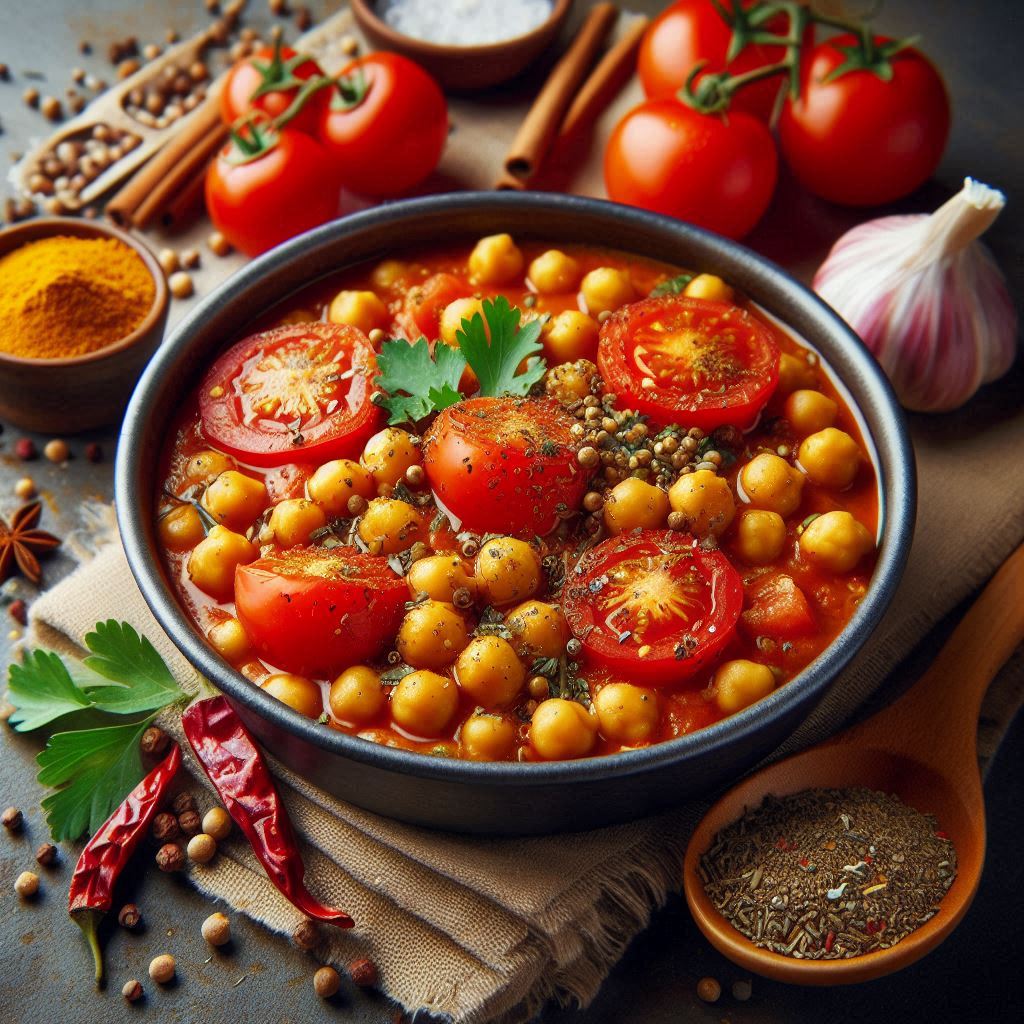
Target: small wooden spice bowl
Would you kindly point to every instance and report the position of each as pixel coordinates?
(464, 68)
(75, 393)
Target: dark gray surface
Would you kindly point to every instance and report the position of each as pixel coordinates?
(974, 976)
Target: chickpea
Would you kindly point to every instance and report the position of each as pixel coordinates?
(605, 289)
(452, 316)
(206, 466)
(553, 271)
(539, 630)
(836, 541)
(485, 736)
(495, 259)
(389, 273)
(357, 696)
(809, 411)
(626, 713)
(335, 482)
(424, 703)
(569, 336)
(760, 536)
(489, 671)
(569, 382)
(705, 500)
(830, 458)
(562, 729)
(181, 529)
(392, 524)
(507, 570)
(794, 374)
(294, 519)
(740, 683)
(235, 499)
(298, 692)
(230, 640)
(431, 635)
(362, 310)
(388, 454)
(212, 564)
(707, 286)
(439, 576)
(635, 503)
(771, 483)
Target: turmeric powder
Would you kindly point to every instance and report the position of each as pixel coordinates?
(66, 296)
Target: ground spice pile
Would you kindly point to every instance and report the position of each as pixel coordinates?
(829, 874)
(66, 296)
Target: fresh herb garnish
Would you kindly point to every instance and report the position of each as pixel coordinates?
(97, 766)
(417, 384)
(672, 286)
(492, 623)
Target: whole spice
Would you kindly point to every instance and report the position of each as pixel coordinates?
(364, 973)
(46, 855)
(161, 968)
(190, 822)
(25, 488)
(235, 766)
(306, 935)
(132, 991)
(170, 858)
(26, 885)
(154, 741)
(25, 449)
(829, 874)
(66, 296)
(927, 298)
(12, 819)
(129, 917)
(202, 848)
(183, 802)
(165, 827)
(216, 930)
(326, 982)
(106, 854)
(217, 823)
(94, 452)
(709, 990)
(20, 541)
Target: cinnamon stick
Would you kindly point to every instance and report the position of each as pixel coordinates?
(144, 198)
(540, 126)
(605, 81)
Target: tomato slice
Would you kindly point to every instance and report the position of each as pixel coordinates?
(777, 607)
(504, 465)
(653, 606)
(316, 611)
(300, 393)
(689, 361)
(424, 304)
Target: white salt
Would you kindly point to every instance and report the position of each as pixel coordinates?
(464, 22)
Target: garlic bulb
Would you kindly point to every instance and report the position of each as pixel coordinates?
(927, 298)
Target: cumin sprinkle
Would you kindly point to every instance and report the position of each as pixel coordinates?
(829, 874)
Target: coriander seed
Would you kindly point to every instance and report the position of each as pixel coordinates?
(216, 930)
(25, 488)
(181, 285)
(326, 982)
(170, 858)
(741, 990)
(56, 450)
(709, 990)
(46, 855)
(27, 885)
(129, 917)
(12, 819)
(168, 260)
(132, 991)
(190, 258)
(357, 505)
(217, 823)
(161, 968)
(201, 848)
(216, 243)
(30, 97)
(306, 935)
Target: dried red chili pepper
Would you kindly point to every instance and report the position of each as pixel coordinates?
(98, 868)
(239, 773)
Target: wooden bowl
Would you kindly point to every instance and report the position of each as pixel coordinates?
(75, 393)
(464, 68)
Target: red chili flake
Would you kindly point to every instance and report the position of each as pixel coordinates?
(868, 859)
(939, 834)
(881, 924)
(870, 927)
(829, 940)
(804, 862)
(781, 844)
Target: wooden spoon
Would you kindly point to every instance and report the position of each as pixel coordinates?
(923, 749)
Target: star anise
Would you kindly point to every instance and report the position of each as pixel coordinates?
(20, 541)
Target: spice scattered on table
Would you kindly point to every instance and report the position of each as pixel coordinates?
(46, 855)
(162, 968)
(326, 982)
(306, 935)
(216, 930)
(129, 917)
(170, 857)
(12, 819)
(364, 973)
(201, 848)
(65, 296)
(709, 990)
(26, 885)
(57, 450)
(829, 874)
(132, 991)
(217, 823)
(21, 542)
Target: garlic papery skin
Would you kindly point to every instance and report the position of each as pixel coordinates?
(927, 298)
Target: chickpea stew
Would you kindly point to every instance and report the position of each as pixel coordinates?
(603, 504)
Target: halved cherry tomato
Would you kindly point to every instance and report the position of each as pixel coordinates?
(690, 361)
(424, 304)
(504, 465)
(297, 393)
(653, 607)
(777, 607)
(316, 611)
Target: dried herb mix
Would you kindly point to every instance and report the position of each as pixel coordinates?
(829, 874)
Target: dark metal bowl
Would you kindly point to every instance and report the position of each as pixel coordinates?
(506, 799)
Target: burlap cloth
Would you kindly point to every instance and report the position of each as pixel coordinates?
(486, 930)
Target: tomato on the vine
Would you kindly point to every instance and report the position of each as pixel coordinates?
(716, 171)
(689, 33)
(385, 126)
(867, 135)
(269, 82)
(266, 186)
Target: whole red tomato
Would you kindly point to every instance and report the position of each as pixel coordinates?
(715, 171)
(386, 125)
(269, 82)
(859, 138)
(259, 200)
(692, 32)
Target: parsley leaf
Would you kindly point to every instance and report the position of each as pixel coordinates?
(101, 766)
(43, 690)
(415, 383)
(495, 360)
(672, 286)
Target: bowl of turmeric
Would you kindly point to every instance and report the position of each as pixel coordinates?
(82, 308)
